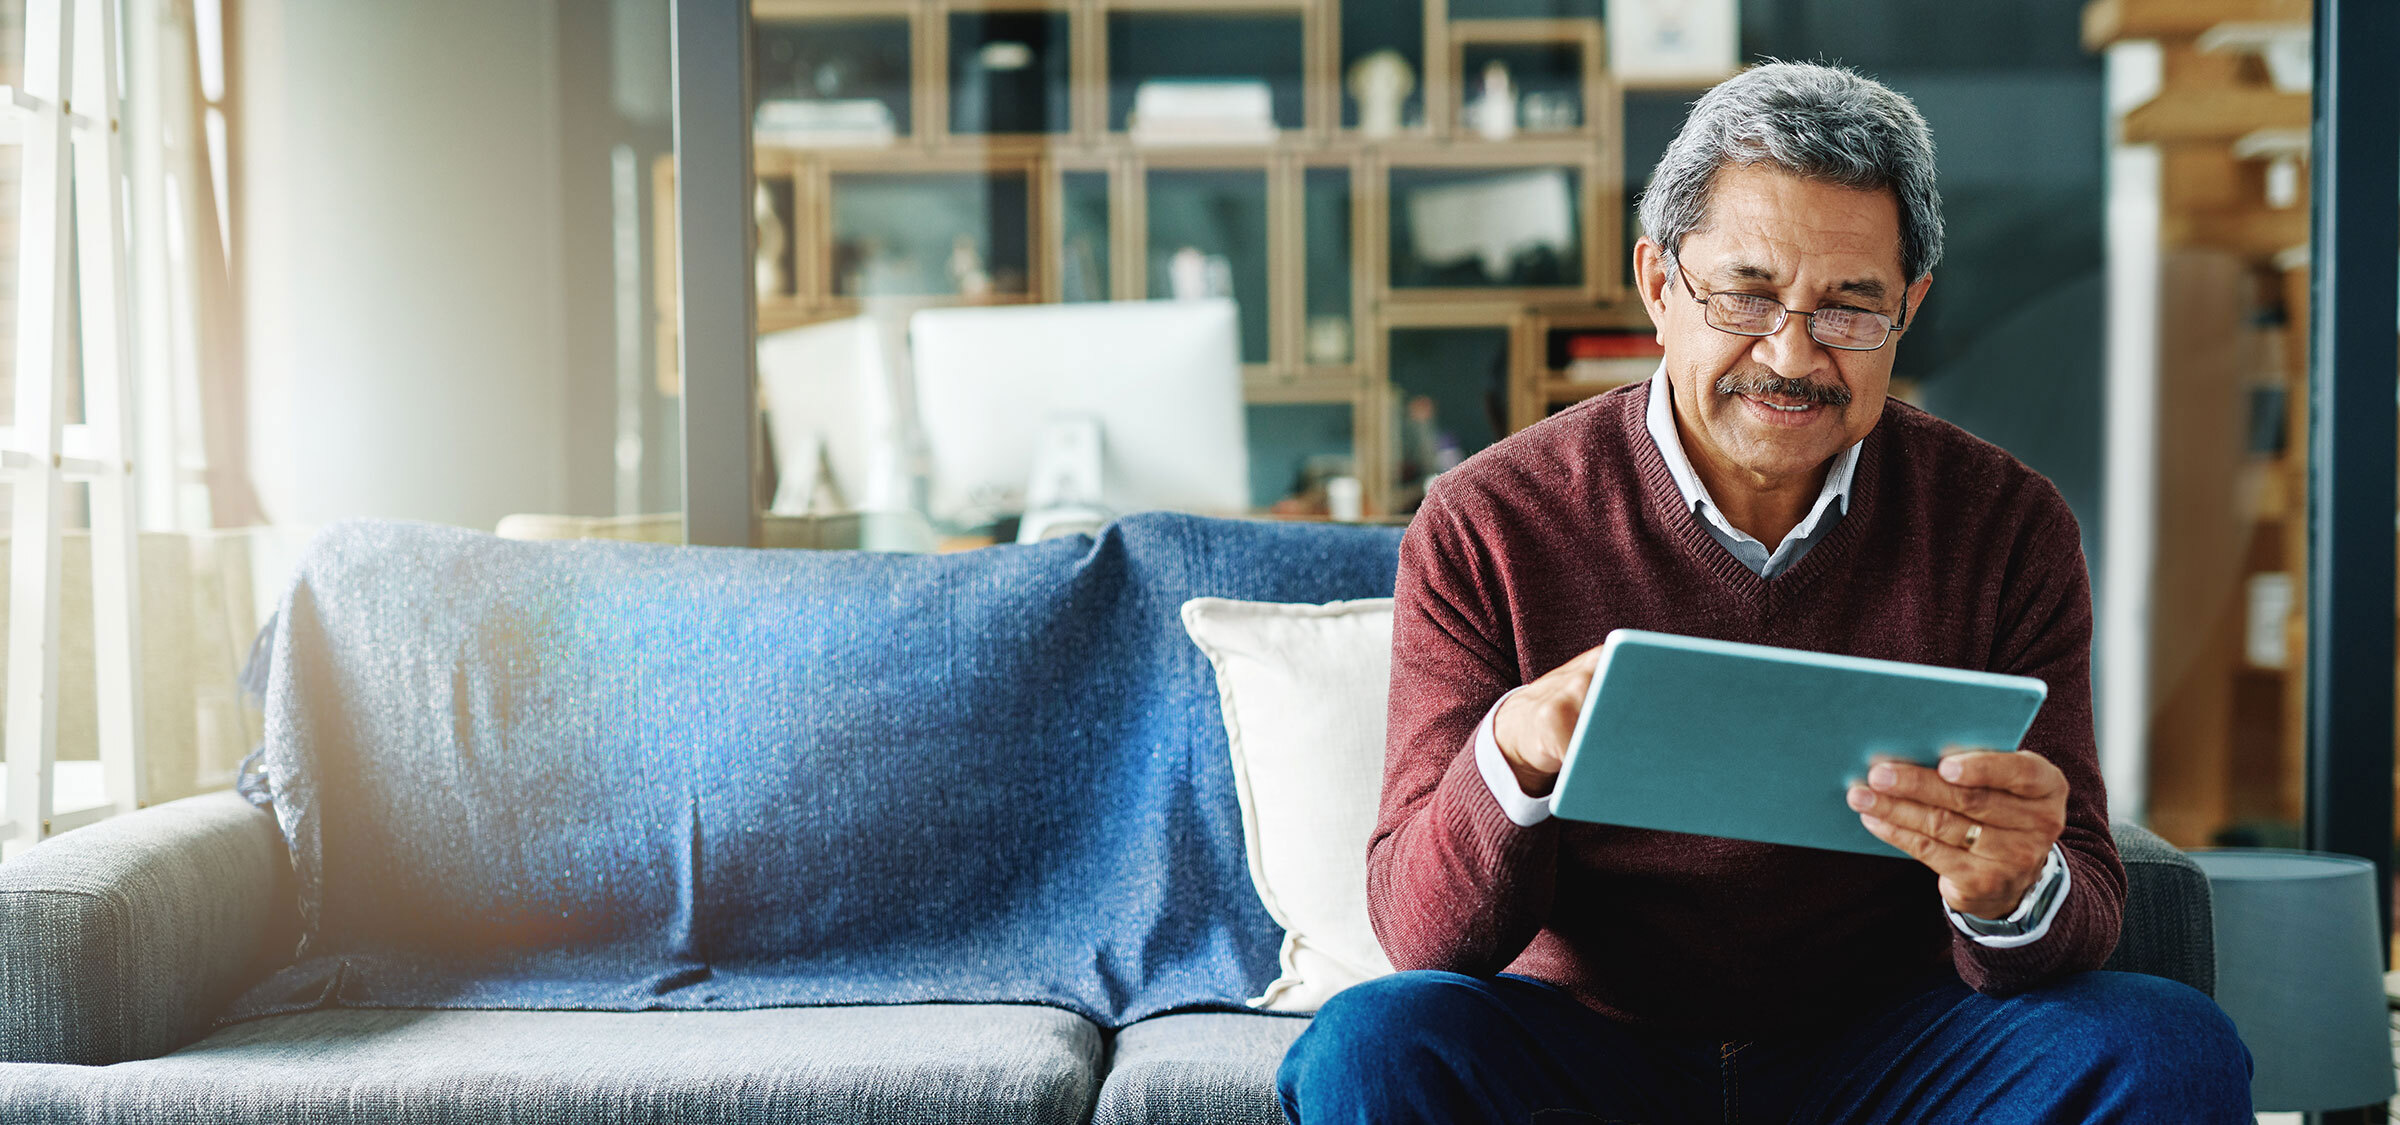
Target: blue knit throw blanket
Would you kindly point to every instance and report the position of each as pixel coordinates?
(626, 777)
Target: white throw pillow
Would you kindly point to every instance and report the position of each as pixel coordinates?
(1304, 690)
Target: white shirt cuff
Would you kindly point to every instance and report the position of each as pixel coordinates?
(1523, 811)
(2023, 927)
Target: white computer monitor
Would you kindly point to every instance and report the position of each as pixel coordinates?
(1163, 379)
(832, 409)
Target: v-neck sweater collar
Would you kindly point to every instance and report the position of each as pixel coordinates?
(1668, 506)
(1658, 416)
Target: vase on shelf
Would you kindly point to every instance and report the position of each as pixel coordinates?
(1494, 112)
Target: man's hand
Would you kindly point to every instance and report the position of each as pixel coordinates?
(1534, 724)
(1983, 820)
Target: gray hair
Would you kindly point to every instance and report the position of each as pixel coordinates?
(1817, 122)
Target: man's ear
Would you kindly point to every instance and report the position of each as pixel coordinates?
(1916, 298)
(1650, 280)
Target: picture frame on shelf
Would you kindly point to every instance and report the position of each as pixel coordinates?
(1673, 43)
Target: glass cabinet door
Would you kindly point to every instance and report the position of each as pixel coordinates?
(963, 234)
(1203, 69)
(1208, 238)
(833, 81)
(1450, 390)
(1327, 334)
(1486, 228)
(1084, 242)
(1303, 455)
(1383, 68)
(1009, 72)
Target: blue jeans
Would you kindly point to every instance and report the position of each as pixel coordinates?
(1441, 1047)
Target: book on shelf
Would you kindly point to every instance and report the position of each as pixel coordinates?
(824, 123)
(1614, 344)
(1618, 369)
(1611, 355)
(1202, 112)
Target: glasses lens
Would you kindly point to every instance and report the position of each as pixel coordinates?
(1743, 313)
(1849, 328)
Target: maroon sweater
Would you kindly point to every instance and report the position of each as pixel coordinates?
(1952, 553)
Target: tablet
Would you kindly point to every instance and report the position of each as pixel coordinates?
(1760, 743)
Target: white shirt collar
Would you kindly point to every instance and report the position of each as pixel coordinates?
(1695, 494)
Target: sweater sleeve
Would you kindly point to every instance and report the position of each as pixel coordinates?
(1452, 883)
(2046, 632)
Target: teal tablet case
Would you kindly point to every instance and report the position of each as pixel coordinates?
(1760, 743)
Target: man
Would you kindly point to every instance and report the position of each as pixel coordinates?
(1760, 487)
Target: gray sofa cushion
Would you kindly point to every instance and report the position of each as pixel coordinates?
(930, 1063)
(1213, 1068)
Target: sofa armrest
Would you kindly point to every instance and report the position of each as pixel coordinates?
(124, 939)
(2169, 928)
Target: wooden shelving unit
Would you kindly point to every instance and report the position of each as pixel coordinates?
(2225, 731)
(807, 185)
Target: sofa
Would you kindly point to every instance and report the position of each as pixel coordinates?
(621, 832)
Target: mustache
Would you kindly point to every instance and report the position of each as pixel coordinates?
(1762, 383)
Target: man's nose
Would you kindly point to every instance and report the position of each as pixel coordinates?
(1790, 351)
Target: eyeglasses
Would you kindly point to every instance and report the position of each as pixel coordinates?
(1835, 326)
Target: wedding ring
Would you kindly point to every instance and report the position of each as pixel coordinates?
(1974, 833)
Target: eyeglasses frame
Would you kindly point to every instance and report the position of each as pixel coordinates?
(1786, 313)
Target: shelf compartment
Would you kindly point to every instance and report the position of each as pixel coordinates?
(1085, 206)
(1180, 51)
(1615, 345)
(1329, 263)
(1553, 70)
(935, 233)
(816, 80)
(1206, 236)
(1295, 448)
(1451, 397)
(1010, 72)
(1369, 28)
(1599, 355)
(1491, 228)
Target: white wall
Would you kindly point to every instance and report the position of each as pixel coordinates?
(2121, 661)
(401, 235)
